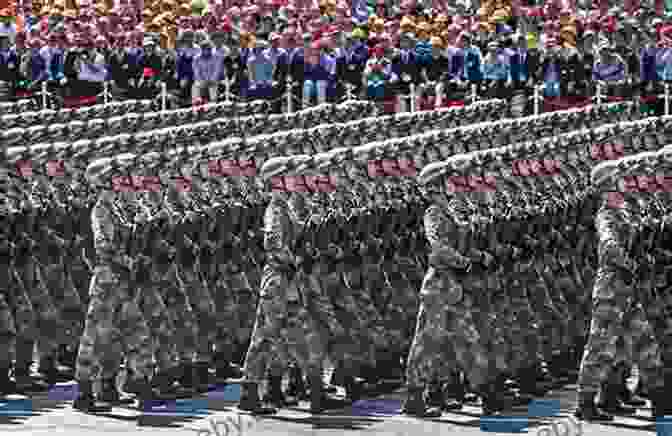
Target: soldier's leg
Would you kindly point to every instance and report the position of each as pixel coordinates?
(609, 301)
(636, 343)
(427, 350)
(33, 298)
(242, 306)
(97, 341)
(658, 314)
(137, 346)
(204, 308)
(68, 304)
(307, 343)
(7, 343)
(268, 331)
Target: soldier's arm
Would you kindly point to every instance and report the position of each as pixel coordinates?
(275, 243)
(102, 225)
(442, 254)
(611, 243)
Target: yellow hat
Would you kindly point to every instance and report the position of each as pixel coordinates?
(532, 40)
(435, 41)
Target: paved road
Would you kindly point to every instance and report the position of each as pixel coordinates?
(374, 417)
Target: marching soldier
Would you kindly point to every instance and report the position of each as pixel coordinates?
(114, 323)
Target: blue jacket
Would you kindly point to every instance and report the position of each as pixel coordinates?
(184, 65)
(472, 65)
(38, 67)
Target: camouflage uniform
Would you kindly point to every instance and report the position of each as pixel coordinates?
(291, 304)
(114, 323)
(447, 327)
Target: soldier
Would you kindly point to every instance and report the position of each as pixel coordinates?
(446, 326)
(8, 294)
(289, 311)
(613, 286)
(114, 323)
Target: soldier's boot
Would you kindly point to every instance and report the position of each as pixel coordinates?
(470, 395)
(67, 355)
(625, 395)
(456, 390)
(494, 400)
(202, 376)
(660, 403)
(7, 386)
(110, 394)
(166, 385)
(250, 402)
(588, 410)
(641, 390)
(610, 400)
(415, 405)
(529, 385)
(319, 401)
(297, 387)
(224, 369)
(325, 401)
(437, 397)
(186, 381)
(145, 394)
(275, 396)
(25, 383)
(50, 372)
(338, 376)
(87, 403)
(353, 390)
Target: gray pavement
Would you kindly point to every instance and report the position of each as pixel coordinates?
(49, 416)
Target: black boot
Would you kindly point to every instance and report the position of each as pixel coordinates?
(660, 403)
(225, 370)
(202, 376)
(353, 390)
(455, 390)
(297, 387)
(493, 399)
(625, 394)
(50, 373)
(145, 394)
(610, 401)
(415, 405)
(317, 395)
(275, 396)
(187, 378)
(110, 394)
(529, 385)
(86, 402)
(166, 384)
(26, 384)
(249, 400)
(7, 386)
(67, 355)
(588, 410)
(324, 402)
(436, 397)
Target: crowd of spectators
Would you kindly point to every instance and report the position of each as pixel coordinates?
(334, 49)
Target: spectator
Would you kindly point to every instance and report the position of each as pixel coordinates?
(261, 69)
(206, 72)
(92, 72)
(320, 68)
(150, 65)
(9, 66)
(610, 69)
(404, 65)
(184, 64)
(496, 71)
(378, 73)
